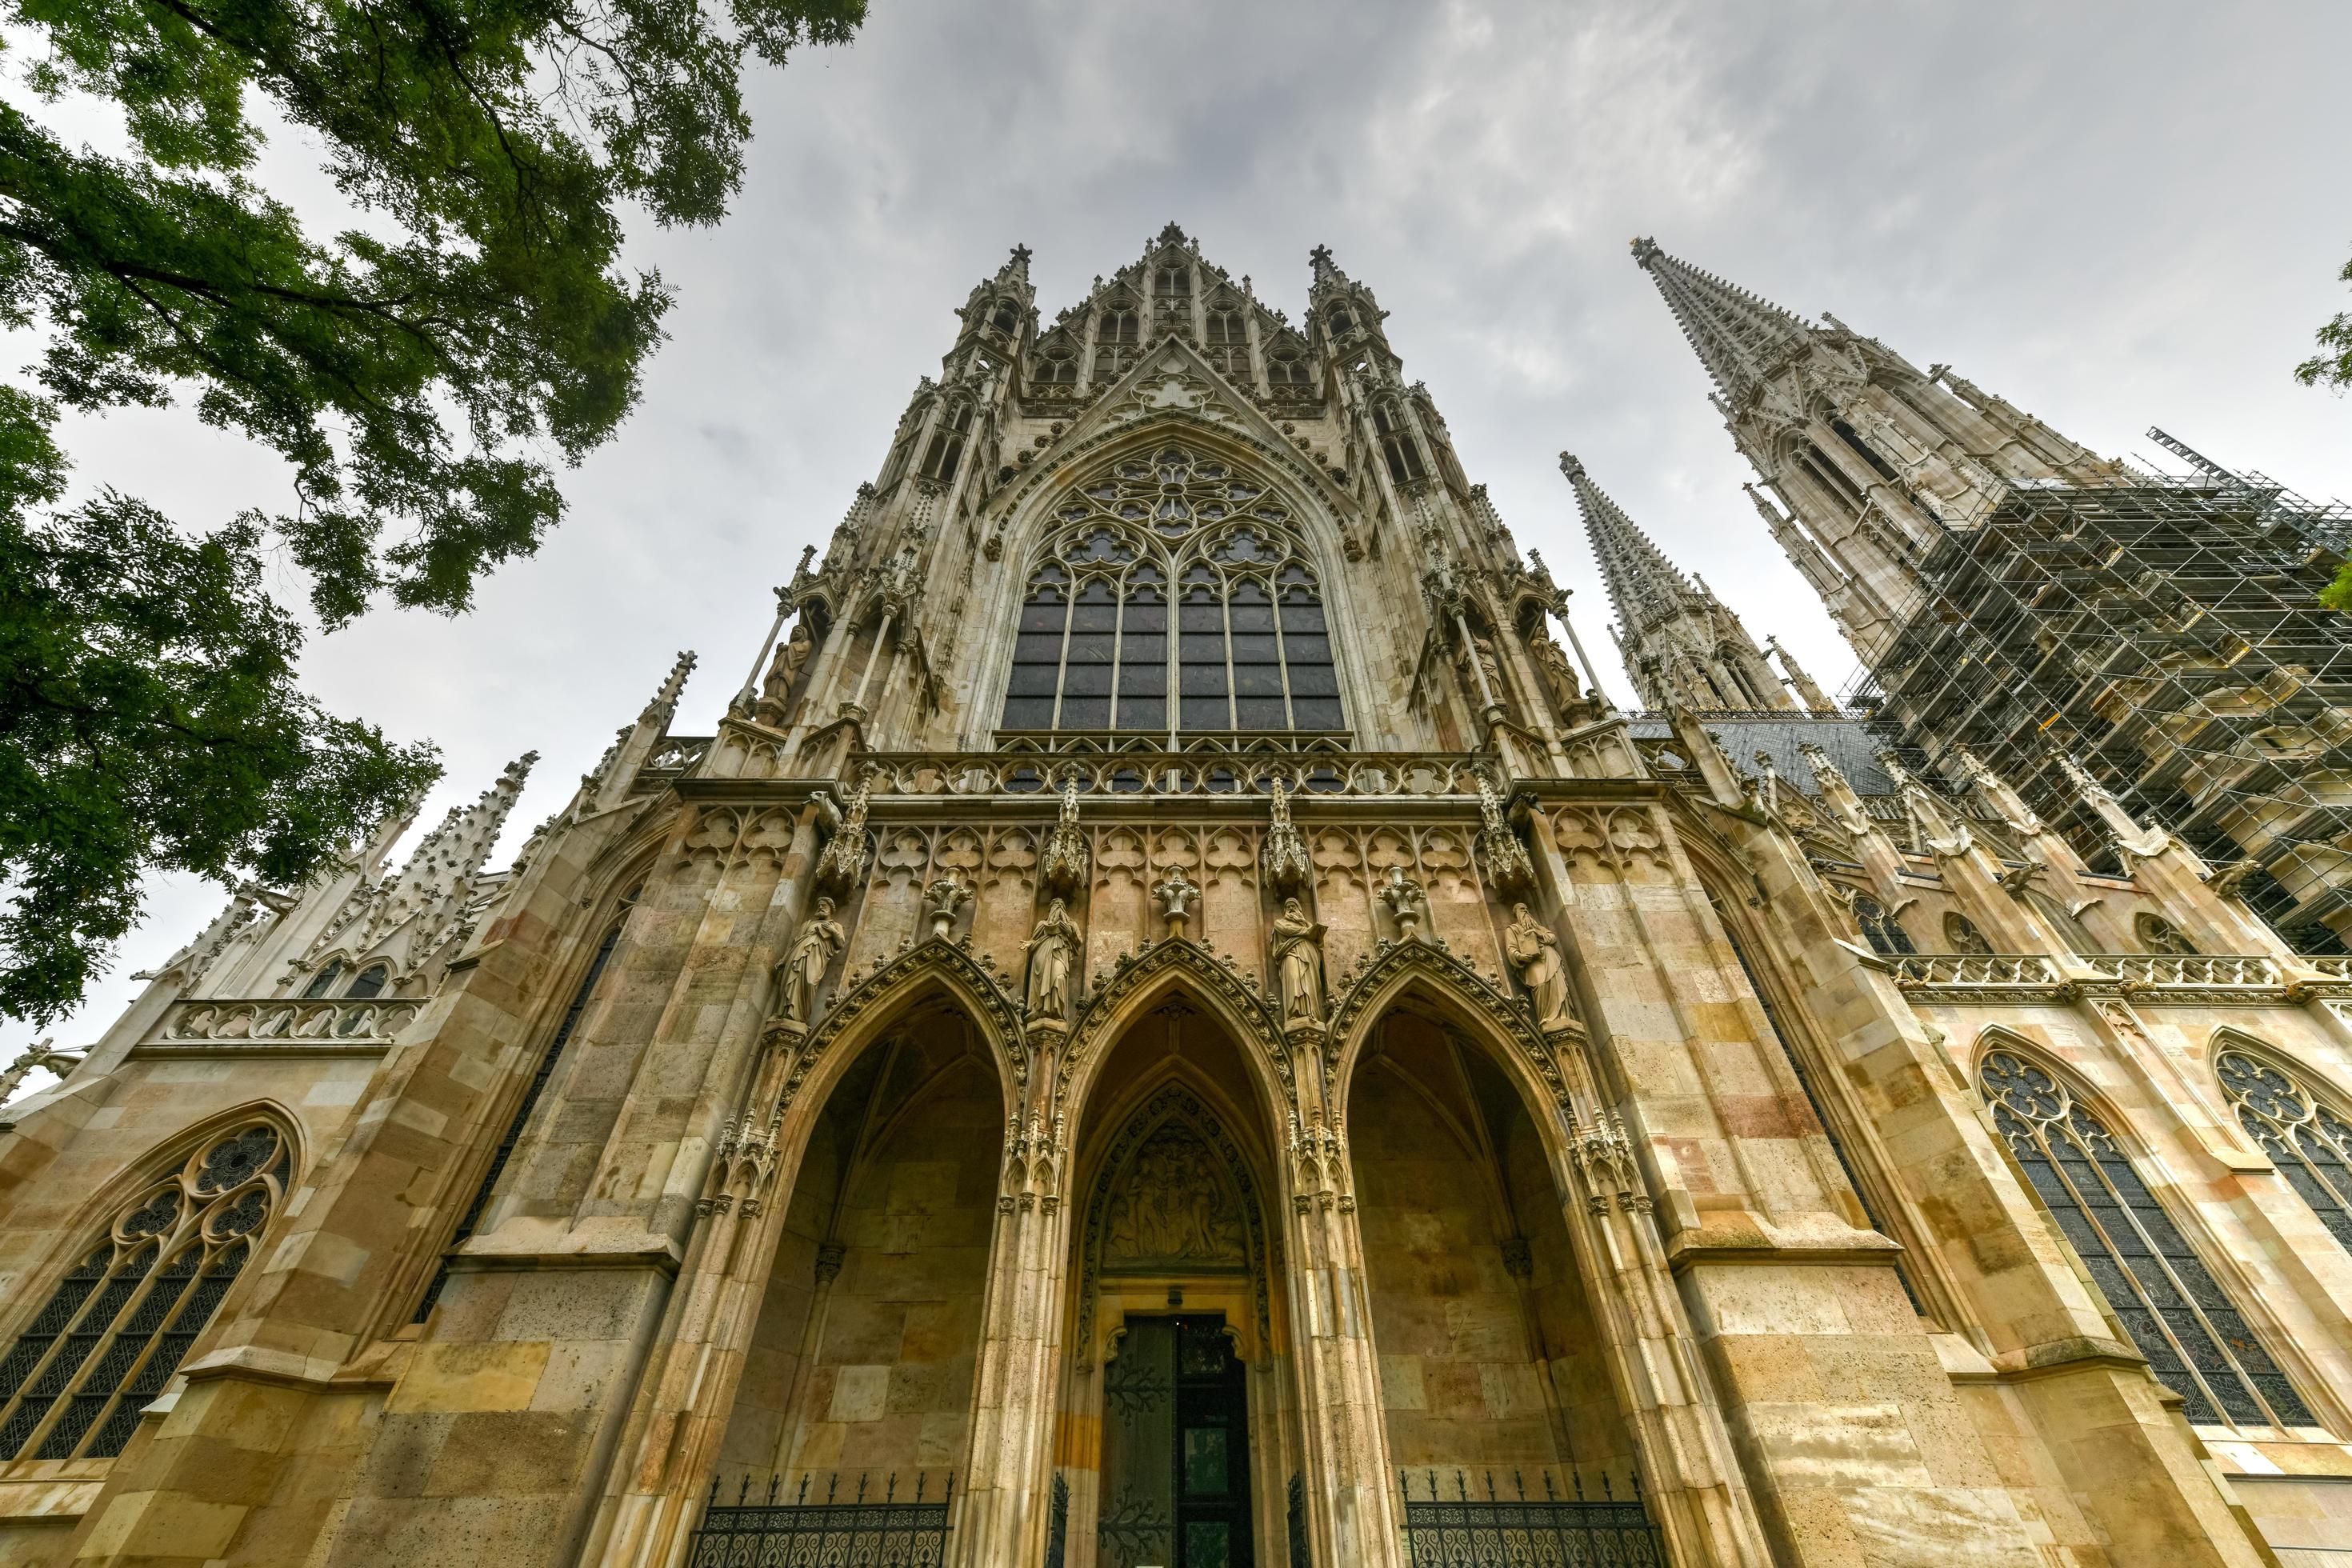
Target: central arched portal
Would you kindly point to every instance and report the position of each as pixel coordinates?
(1176, 1446)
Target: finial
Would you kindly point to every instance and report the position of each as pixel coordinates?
(665, 701)
(1645, 249)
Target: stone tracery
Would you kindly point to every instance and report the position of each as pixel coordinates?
(1247, 647)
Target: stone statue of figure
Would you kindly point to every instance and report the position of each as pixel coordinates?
(1534, 948)
(1491, 668)
(791, 659)
(1051, 948)
(805, 961)
(1299, 964)
(1567, 692)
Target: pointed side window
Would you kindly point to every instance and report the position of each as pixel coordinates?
(2305, 1139)
(2175, 1312)
(120, 1322)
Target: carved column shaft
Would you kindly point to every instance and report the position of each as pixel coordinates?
(1008, 1481)
(1351, 1506)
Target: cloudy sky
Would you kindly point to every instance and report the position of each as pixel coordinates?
(2116, 215)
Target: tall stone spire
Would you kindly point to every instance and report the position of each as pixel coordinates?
(1875, 461)
(1683, 647)
(1643, 586)
(1739, 336)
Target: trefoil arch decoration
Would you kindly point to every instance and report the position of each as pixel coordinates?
(117, 1326)
(2297, 1127)
(2175, 1312)
(971, 979)
(1174, 591)
(1363, 993)
(1239, 999)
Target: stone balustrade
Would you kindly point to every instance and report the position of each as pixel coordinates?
(1402, 775)
(284, 1021)
(2006, 969)
(2188, 978)
(2187, 969)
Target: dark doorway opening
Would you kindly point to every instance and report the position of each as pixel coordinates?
(1176, 1465)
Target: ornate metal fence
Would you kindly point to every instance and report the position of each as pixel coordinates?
(871, 1527)
(1509, 1529)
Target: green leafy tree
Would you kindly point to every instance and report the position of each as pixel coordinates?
(2332, 365)
(420, 373)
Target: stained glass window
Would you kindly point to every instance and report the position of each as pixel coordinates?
(2309, 1144)
(2196, 1343)
(1181, 531)
(116, 1327)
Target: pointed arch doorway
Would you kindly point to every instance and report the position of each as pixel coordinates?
(1175, 1375)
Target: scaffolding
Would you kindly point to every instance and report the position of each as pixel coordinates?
(2166, 631)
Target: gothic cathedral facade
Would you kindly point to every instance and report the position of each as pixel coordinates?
(1172, 1023)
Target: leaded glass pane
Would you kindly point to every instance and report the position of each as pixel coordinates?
(118, 1325)
(2167, 1300)
(1126, 533)
(2310, 1144)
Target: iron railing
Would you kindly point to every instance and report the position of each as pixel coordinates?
(860, 1530)
(1509, 1529)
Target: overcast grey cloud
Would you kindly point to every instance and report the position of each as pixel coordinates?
(2116, 215)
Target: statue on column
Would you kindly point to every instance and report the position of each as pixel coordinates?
(1534, 949)
(1559, 675)
(1299, 964)
(791, 659)
(1051, 948)
(805, 961)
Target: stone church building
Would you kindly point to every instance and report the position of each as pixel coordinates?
(1172, 1023)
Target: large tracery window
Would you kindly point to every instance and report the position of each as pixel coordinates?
(1250, 648)
(118, 1325)
(2309, 1144)
(2196, 1343)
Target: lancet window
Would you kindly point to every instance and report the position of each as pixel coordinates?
(1397, 445)
(946, 450)
(1115, 341)
(1863, 449)
(1174, 282)
(2197, 1343)
(1227, 340)
(1288, 369)
(1058, 364)
(116, 1327)
(581, 996)
(2305, 1139)
(1006, 318)
(1246, 646)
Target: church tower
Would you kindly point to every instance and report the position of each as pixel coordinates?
(1163, 1023)
(1681, 646)
(2015, 596)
